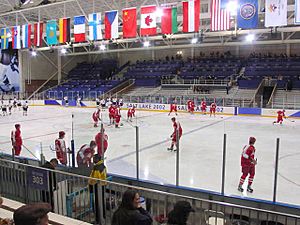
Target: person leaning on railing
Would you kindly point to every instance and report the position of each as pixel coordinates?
(98, 172)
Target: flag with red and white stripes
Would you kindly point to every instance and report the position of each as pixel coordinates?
(220, 16)
(191, 15)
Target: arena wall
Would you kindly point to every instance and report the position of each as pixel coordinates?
(240, 111)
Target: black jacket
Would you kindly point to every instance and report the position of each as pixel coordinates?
(131, 217)
(52, 176)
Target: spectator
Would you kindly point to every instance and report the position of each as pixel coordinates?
(32, 214)
(98, 172)
(130, 211)
(47, 196)
(180, 214)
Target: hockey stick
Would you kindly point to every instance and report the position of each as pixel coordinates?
(290, 120)
(30, 152)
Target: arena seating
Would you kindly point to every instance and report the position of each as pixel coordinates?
(87, 80)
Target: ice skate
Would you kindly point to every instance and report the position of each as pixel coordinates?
(249, 189)
(240, 188)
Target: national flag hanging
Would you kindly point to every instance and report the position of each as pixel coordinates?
(129, 23)
(79, 28)
(111, 24)
(220, 16)
(95, 32)
(51, 28)
(148, 20)
(247, 14)
(26, 36)
(169, 20)
(38, 34)
(191, 16)
(16, 37)
(64, 30)
(276, 13)
(5, 38)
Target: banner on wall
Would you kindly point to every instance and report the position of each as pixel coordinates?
(9, 71)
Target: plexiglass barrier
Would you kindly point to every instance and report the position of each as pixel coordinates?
(209, 156)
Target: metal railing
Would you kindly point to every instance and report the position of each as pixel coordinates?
(71, 196)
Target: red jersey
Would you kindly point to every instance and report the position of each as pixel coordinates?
(98, 140)
(85, 155)
(16, 137)
(248, 155)
(213, 105)
(203, 104)
(96, 115)
(112, 110)
(130, 112)
(280, 114)
(176, 125)
(61, 151)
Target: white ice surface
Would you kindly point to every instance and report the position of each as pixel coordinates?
(201, 147)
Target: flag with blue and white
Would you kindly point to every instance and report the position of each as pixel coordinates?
(247, 14)
(95, 31)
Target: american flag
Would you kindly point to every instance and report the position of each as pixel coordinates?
(220, 16)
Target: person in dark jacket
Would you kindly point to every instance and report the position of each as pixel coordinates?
(180, 214)
(130, 211)
(47, 196)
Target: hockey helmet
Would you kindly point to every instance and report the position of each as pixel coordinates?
(173, 119)
(17, 126)
(252, 140)
(283, 110)
(61, 133)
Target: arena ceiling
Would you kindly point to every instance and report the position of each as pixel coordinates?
(12, 13)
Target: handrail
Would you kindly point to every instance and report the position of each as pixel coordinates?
(256, 92)
(151, 190)
(131, 83)
(272, 95)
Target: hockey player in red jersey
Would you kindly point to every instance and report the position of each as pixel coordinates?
(117, 117)
(111, 111)
(85, 154)
(130, 113)
(203, 106)
(99, 141)
(96, 117)
(213, 107)
(280, 116)
(61, 149)
(177, 128)
(191, 106)
(248, 163)
(173, 108)
(16, 140)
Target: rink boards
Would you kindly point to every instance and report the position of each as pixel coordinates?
(241, 111)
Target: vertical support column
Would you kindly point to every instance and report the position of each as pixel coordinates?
(73, 143)
(288, 50)
(224, 164)
(153, 54)
(137, 153)
(58, 67)
(177, 157)
(21, 74)
(237, 51)
(193, 52)
(276, 170)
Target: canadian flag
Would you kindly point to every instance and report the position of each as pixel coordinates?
(148, 20)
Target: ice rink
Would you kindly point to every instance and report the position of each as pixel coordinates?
(201, 147)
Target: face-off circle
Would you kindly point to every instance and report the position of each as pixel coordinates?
(247, 11)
